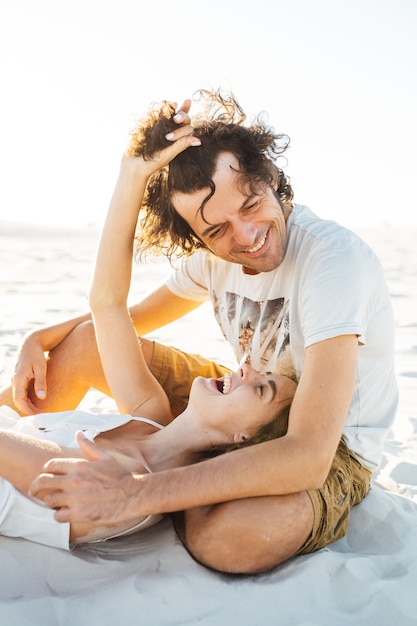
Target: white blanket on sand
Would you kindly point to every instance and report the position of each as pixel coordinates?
(368, 578)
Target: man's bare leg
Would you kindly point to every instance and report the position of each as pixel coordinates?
(74, 367)
(248, 536)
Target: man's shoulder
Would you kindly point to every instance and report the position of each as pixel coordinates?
(306, 220)
(318, 244)
(202, 259)
(203, 267)
(306, 224)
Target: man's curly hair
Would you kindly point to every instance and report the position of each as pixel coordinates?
(221, 128)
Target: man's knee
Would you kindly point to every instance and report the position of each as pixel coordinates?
(247, 537)
(77, 353)
(81, 339)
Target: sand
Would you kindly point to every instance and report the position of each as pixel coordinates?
(369, 577)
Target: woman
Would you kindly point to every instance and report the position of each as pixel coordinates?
(144, 437)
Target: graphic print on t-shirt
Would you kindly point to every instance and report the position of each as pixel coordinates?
(258, 331)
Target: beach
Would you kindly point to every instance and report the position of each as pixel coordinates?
(369, 577)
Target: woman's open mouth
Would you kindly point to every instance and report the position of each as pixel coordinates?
(224, 384)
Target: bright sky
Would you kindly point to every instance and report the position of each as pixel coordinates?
(338, 76)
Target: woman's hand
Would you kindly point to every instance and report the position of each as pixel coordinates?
(180, 139)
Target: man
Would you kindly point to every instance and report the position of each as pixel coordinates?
(281, 281)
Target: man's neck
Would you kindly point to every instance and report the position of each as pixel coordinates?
(249, 270)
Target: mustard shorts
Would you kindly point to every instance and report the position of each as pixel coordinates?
(348, 481)
(347, 484)
(175, 370)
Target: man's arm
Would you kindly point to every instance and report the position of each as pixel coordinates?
(37, 350)
(158, 308)
(296, 462)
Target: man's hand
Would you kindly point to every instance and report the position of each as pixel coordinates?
(96, 490)
(30, 370)
(31, 366)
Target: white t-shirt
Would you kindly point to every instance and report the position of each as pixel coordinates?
(330, 283)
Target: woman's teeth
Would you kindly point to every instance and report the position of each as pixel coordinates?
(227, 384)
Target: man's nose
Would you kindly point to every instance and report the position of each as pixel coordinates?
(244, 233)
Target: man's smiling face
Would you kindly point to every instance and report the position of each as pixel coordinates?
(235, 224)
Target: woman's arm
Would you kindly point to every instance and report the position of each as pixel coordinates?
(155, 310)
(125, 369)
(133, 386)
